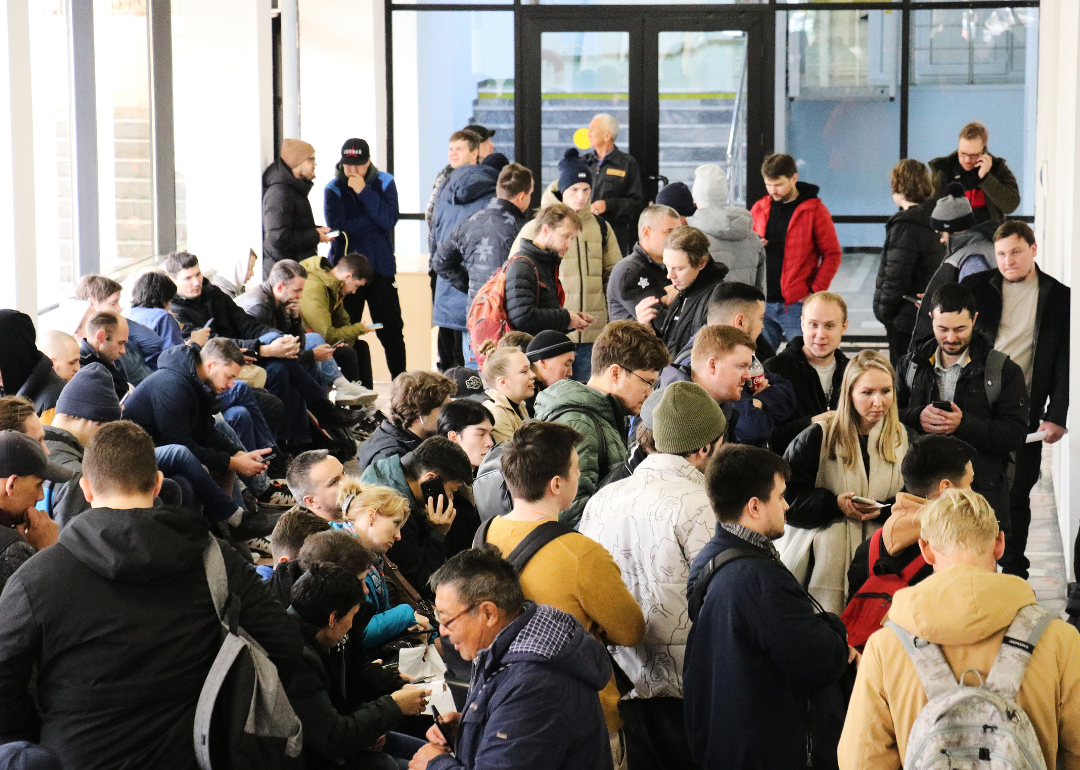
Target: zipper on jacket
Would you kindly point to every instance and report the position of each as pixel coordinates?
(809, 738)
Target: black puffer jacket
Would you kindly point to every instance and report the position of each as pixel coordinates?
(810, 399)
(174, 407)
(478, 246)
(259, 303)
(230, 320)
(117, 621)
(532, 291)
(690, 307)
(288, 224)
(993, 432)
(43, 386)
(1050, 366)
(913, 252)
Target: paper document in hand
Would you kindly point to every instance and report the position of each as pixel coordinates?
(1037, 436)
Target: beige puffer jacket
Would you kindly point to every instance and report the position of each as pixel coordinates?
(585, 269)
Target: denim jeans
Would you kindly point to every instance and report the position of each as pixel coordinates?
(781, 321)
(287, 379)
(239, 432)
(179, 464)
(328, 370)
(466, 350)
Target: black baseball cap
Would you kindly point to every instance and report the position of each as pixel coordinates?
(483, 133)
(355, 152)
(21, 455)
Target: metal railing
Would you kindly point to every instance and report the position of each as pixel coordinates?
(736, 150)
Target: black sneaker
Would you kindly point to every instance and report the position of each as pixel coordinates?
(277, 495)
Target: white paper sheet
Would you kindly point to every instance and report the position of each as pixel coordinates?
(1037, 436)
(422, 662)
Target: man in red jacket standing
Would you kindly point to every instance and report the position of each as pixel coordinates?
(801, 249)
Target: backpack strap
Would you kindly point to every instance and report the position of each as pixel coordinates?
(603, 235)
(934, 671)
(529, 545)
(603, 458)
(912, 569)
(226, 603)
(875, 549)
(1012, 659)
(995, 361)
(909, 374)
(701, 586)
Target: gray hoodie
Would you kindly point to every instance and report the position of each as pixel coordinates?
(732, 239)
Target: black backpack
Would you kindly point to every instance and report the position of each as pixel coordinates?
(728, 555)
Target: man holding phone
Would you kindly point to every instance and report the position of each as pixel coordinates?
(988, 183)
(942, 389)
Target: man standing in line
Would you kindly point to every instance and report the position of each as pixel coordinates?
(802, 253)
(289, 230)
(616, 188)
(1026, 313)
(642, 273)
(362, 202)
(988, 183)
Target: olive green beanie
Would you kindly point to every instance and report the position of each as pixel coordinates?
(686, 419)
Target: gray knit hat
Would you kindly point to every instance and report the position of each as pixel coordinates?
(646, 412)
(952, 214)
(90, 395)
(686, 419)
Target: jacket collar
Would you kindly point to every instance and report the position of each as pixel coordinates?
(62, 436)
(538, 254)
(640, 254)
(507, 206)
(675, 463)
(488, 661)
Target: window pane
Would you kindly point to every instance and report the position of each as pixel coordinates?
(855, 279)
(51, 91)
(582, 74)
(976, 64)
(123, 126)
(471, 81)
(651, 2)
(703, 106)
(843, 107)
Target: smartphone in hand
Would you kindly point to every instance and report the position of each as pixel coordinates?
(944, 406)
(445, 730)
(432, 488)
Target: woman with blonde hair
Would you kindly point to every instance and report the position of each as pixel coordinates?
(838, 467)
(375, 515)
(510, 381)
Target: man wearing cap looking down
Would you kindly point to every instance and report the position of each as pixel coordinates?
(289, 230)
(362, 202)
(552, 355)
(24, 530)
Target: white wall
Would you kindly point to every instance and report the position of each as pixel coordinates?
(18, 259)
(342, 83)
(222, 76)
(1057, 229)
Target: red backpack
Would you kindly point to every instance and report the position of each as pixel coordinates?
(868, 608)
(487, 320)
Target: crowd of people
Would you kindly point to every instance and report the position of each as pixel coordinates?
(658, 518)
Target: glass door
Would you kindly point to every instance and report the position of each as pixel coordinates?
(685, 90)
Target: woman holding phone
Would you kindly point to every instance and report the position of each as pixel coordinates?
(845, 473)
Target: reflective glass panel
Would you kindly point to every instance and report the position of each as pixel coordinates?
(582, 74)
(702, 78)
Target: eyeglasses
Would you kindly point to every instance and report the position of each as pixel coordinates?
(651, 385)
(446, 623)
(969, 156)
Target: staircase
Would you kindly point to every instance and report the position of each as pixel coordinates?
(134, 184)
(694, 128)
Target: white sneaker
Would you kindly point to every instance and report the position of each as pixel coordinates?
(353, 394)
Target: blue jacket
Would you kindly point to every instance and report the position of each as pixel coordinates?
(468, 190)
(175, 407)
(367, 219)
(161, 322)
(534, 700)
(759, 660)
(478, 246)
(388, 621)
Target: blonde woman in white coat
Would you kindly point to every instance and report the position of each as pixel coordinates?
(587, 264)
(855, 453)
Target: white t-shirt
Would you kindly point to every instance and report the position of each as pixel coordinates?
(825, 374)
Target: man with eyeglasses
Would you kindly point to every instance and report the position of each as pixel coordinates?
(627, 359)
(988, 183)
(533, 701)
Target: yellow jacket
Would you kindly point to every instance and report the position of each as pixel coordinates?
(966, 611)
(321, 305)
(585, 268)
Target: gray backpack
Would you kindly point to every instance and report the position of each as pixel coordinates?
(964, 726)
(243, 718)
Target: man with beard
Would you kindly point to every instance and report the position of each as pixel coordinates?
(956, 384)
(289, 230)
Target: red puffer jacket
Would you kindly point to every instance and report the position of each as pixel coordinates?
(811, 250)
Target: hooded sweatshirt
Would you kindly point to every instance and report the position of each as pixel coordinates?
(732, 240)
(533, 701)
(117, 620)
(966, 611)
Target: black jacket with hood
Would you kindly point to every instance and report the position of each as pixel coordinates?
(288, 224)
(25, 370)
(117, 620)
(387, 440)
(229, 319)
(175, 407)
(690, 308)
(993, 431)
(810, 399)
(532, 297)
(912, 254)
(1050, 365)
